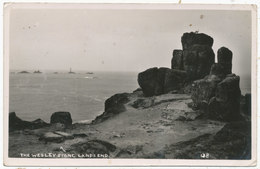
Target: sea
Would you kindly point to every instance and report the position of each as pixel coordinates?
(38, 95)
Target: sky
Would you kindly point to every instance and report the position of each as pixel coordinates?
(120, 40)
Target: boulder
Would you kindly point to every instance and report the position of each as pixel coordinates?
(204, 89)
(225, 60)
(113, 106)
(197, 61)
(226, 103)
(15, 123)
(61, 117)
(52, 137)
(174, 80)
(156, 81)
(177, 60)
(190, 39)
(248, 104)
(218, 70)
(152, 80)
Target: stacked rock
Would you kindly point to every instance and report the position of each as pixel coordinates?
(220, 89)
(157, 81)
(191, 63)
(196, 56)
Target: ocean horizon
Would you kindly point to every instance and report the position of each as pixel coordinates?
(83, 94)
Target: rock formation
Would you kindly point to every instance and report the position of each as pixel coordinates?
(189, 39)
(113, 106)
(61, 117)
(191, 63)
(157, 81)
(15, 123)
(220, 89)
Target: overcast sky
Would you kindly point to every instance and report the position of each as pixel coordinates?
(119, 40)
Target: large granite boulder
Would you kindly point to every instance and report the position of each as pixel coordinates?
(190, 39)
(61, 117)
(197, 61)
(157, 81)
(113, 106)
(226, 103)
(174, 80)
(204, 89)
(151, 81)
(218, 70)
(15, 123)
(177, 60)
(225, 60)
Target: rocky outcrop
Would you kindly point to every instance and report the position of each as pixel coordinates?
(204, 89)
(61, 117)
(15, 123)
(177, 59)
(152, 80)
(157, 81)
(225, 60)
(113, 106)
(233, 141)
(174, 80)
(191, 63)
(197, 61)
(189, 39)
(226, 103)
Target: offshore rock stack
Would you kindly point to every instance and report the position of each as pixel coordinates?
(212, 86)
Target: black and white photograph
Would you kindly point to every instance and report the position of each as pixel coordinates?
(130, 82)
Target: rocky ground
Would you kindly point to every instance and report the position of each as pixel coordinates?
(148, 127)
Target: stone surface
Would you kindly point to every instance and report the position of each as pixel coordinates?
(204, 89)
(197, 61)
(177, 60)
(225, 60)
(174, 80)
(151, 81)
(51, 137)
(190, 39)
(226, 103)
(61, 117)
(218, 70)
(156, 81)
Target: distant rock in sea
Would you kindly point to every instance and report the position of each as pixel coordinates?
(90, 73)
(37, 71)
(24, 71)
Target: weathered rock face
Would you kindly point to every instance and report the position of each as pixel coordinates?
(226, 103)
(204, 89)
(189, 39)
(177, 59)
(61, 117)
(197, 61)
(174, 80)
(225, 60)
(156, 81)
(151, 81)
(15, 123)
(217, 69)
(113, 106)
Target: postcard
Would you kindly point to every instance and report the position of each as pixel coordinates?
(129, 84)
